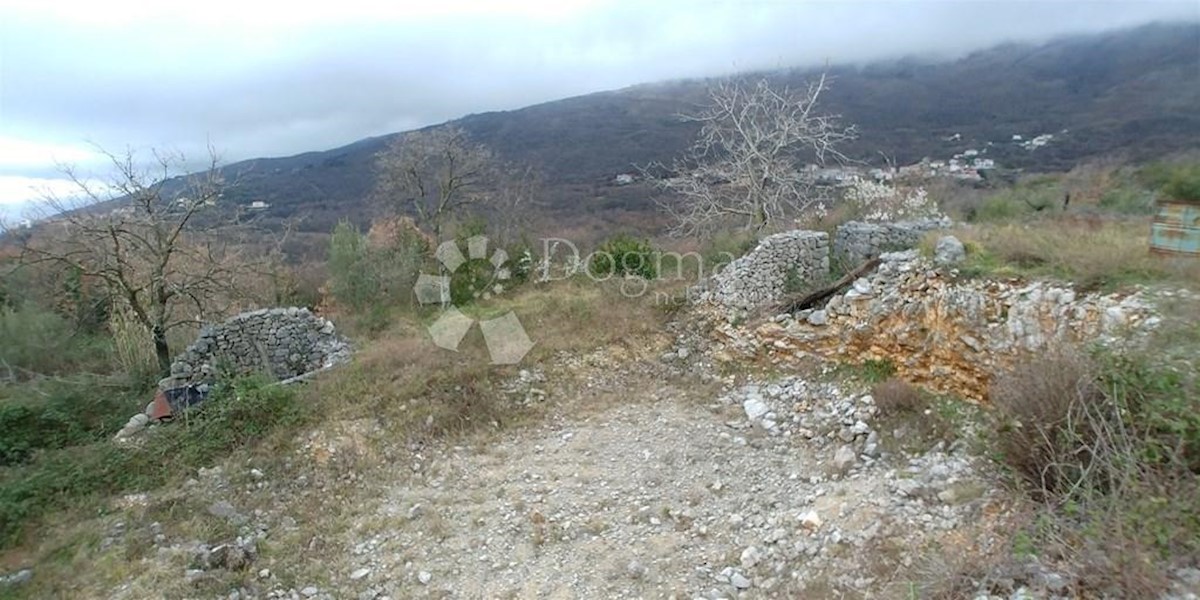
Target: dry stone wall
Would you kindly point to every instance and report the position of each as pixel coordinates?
(281, 342)
(761, 277)
(857, 241)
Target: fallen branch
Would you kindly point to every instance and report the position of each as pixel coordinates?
(813, 298)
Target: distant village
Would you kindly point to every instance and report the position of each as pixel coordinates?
(182, 202)
(968, 165)
(127, 211)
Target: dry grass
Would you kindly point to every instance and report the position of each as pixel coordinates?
(417, 387)
(896, 396)
(1108, 450)
(1041, 404)
(400, 394)
(1093, 252)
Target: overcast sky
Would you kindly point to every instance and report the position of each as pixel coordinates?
(272, 79)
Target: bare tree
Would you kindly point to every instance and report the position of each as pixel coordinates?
(515, 201)
(433, 174)
(745, 164)
(157, 242)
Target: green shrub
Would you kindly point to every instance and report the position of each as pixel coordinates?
(520, 263)
(1030, 197)
(872, 371)
(1155, 174)
(1115, 440)
(234, 416)
(351, 279)
(1128, 200)
(61, 413)
(1184, 184)
(41, 341)
(1001, 207)
(624, 255)
(364, 275)
(1163, 408)
(478, 278)
(474, 279)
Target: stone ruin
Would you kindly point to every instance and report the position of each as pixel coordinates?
(801, 257)
(281, 343)
(762, 276)
(856, 242)
(285, 344)
(940, 330)
(943, 332)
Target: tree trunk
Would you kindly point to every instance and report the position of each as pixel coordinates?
(162, 351)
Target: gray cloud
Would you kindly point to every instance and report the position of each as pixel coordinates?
(275, 86)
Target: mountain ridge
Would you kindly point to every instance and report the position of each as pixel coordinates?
(1130, 92)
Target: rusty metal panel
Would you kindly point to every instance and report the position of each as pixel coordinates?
(1176, 229)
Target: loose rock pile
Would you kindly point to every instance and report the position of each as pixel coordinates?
(942, 331)
(802, 259)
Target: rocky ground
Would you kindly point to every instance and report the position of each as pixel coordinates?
(655, 470)
(672, 486)
(668, 499)
(652, 477)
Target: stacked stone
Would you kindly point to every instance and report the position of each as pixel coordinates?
(761, 277)
(280, 342)
(856, 242)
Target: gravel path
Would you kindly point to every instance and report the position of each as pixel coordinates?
(670, 499)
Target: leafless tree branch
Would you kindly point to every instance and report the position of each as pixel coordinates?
(744, 166)
(160, 243)
(435, 174)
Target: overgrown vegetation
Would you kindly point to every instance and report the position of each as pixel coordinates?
(1183, 183)
(871, 370)
(1109, 447)
(372, 273)
(1089, 226)
(149, 242)
(624, 255)
(58, 413)
(1092, 253)
(78, 464)
(41, 342)
(1105, 445)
